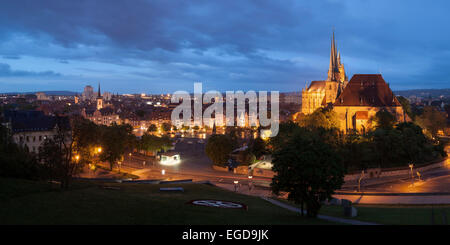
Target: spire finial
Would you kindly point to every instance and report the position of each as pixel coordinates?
(99, 94)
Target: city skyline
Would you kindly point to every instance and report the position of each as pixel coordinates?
(161, 47)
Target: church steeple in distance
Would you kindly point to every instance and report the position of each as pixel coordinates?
(99, 99)
(99, 94)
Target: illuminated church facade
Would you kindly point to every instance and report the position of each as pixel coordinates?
(355, 102)
(321, 93)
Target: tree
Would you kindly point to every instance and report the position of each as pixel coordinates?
(15, 161)
(152, 128)
(321, 118)
(308, 169)
(234, 134)
(406, 107)
(246, 157)
(384, 120)
(154, 143)
(116, 140)
(87, 139)
(258, 147)
(58, 156)
(431, 120)
(165, 127)
(218, 148)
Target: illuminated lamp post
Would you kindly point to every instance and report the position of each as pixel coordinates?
(411, 166)
(236, 185)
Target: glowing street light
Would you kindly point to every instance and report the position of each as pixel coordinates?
(77, 157)
(99, 150)
(411, 166)
(250, 183)
(163, 172)
(236, 185)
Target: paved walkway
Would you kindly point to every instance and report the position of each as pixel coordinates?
(398, 199)
(324, 217)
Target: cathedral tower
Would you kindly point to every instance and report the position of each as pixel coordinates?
(323, 93)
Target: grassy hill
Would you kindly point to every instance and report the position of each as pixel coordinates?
(28, 202)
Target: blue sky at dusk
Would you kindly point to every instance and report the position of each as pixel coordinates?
(160, 46)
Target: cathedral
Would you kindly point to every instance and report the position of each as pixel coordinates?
(355, 102)
(323, 93)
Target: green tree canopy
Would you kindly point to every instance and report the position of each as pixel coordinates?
(258, 147)
(152, 128)
(116, 140)
(165, 127)
(431, 120)
(218, 148)
(406, 107)
(308, 169)
(384, 119)
(154, 143)
(321, 118)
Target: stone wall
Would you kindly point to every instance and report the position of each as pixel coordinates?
(219, 168)
(396, 172)
(263, 172)
(241, 170)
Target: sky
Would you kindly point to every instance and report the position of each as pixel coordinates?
(162, 46)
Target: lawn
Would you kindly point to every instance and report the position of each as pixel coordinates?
(29, 202)
(393, 214)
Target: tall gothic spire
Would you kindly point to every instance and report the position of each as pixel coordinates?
(99, 94)
(335, 60)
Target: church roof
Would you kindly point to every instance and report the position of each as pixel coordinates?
(317, 86)
(26, 121)
(367, 90)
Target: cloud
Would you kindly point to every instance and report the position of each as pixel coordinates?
(252, 44)
(6, 71)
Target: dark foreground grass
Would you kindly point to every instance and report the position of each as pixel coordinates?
(394, 214)
(28, 202)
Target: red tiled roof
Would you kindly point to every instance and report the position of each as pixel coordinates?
(367, 90)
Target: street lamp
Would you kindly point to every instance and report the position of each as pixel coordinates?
(411, 166)
(235, 185)
(250, 183)
(99, 150)
(359, 181)
(163, 172)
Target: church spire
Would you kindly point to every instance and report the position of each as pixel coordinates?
(335, 61)
(99, 94)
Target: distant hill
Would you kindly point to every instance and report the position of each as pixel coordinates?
(424, 93)
(50, 93)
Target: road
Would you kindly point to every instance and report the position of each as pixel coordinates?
(194, 165)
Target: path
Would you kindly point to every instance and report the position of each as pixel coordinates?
(324, 217)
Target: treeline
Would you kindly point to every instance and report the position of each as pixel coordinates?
(387, 144)
(75, 144)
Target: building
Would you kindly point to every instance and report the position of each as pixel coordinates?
(42, 96)
(362, 98)
(105, 116)
(30, 129)
(107, 96)
(322, 93)
(88, 93)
